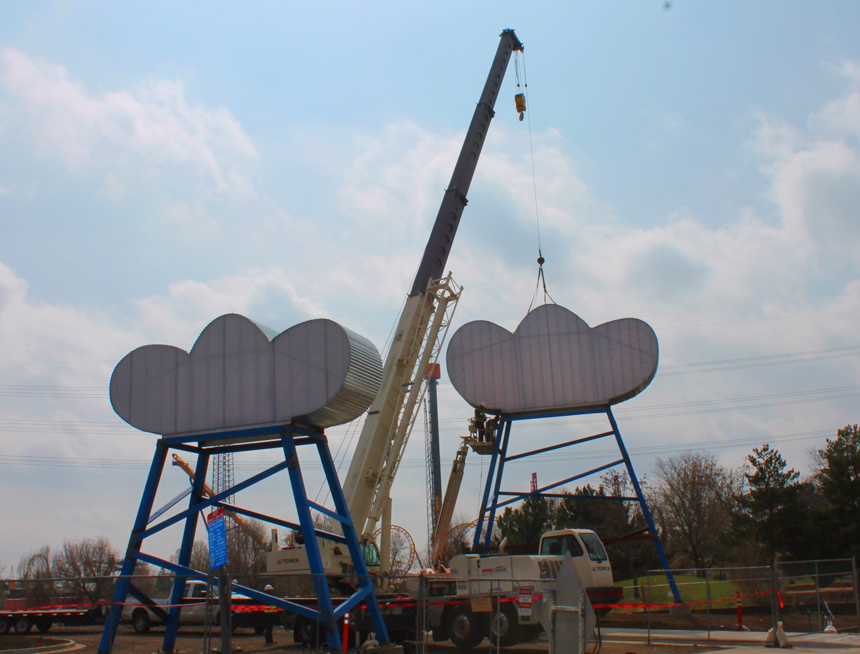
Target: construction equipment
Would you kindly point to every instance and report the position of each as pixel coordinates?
(443, 524)
(417, 340)
(208, 492)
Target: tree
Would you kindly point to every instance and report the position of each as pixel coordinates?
(523, 526)
(246, 548)
(838, 480)
(770, 509)
(692, 502)
(199, 559)
(88, 565)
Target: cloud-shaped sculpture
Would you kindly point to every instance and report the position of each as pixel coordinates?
(553, 361)
(240, 375)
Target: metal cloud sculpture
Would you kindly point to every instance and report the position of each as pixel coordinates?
(240, 375)
(553, 362)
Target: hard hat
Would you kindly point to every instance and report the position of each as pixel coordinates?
(268, 588)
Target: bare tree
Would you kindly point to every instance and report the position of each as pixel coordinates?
(692, 502)
(88, 566)
(247, 548)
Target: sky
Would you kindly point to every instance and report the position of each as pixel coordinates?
(695, 165)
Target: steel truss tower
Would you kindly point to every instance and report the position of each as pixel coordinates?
(493, 494)
(288, 439)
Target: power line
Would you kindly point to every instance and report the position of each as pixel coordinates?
(416, 463)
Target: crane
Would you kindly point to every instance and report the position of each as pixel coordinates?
(416, 340)
(207, 492)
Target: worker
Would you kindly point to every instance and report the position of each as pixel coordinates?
(480, 422)
(268, 630)
(492, 426)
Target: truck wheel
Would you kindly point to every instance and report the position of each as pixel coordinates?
(467, 629)
(305, 631)
(44, 626)
(141, 622)
(5, 625)
(23, 626)
(504, 626)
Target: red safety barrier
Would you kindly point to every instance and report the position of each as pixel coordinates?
(345, 632)
(656, 606)
(740, 611)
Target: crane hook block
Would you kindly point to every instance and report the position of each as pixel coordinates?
(521, 104)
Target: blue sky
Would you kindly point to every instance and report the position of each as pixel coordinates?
(163, 164)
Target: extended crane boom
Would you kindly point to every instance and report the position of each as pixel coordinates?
(383, 437)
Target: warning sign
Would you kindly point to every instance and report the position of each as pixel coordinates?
(217, 539)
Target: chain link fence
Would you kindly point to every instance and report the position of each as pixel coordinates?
(431, 613)
(805, 595)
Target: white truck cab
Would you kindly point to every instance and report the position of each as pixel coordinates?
(477, 573)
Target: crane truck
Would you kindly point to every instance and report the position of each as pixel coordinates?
(417, 341)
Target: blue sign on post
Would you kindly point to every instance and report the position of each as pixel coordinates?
(217, 539)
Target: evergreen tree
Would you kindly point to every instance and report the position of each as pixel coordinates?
(771, 507)
(838, 480)
(524, 526)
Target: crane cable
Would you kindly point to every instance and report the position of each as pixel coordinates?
(541, 279)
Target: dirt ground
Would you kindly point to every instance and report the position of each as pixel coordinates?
(190, 641)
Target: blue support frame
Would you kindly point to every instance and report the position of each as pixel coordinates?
(492, 489)
(286, 438)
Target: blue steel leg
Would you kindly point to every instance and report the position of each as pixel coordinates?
(185, 553)
(348, 529)
(128, 565)
(648, 519)
(505, 439)
(476, 540)
(326, 608)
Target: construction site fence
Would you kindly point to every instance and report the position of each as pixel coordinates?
(430, 611)
(807, 594)
(421, 612)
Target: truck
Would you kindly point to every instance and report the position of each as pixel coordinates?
(481, 595)
(494, 596)
(245, 613)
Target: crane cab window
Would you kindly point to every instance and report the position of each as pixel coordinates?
(594, 547)
(371, 553)
(558, 545)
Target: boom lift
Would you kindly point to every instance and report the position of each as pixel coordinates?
(417, 340)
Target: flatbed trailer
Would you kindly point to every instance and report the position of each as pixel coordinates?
(22, 621)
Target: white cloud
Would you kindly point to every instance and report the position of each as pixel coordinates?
(816, 174)
(151, 125)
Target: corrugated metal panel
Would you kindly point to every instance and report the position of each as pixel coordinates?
(553, 361)
(237, 376)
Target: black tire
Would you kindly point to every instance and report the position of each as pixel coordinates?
(23, 625)
(467, 629)
(5, 625)
(504, 626)
(140, 621)
(305, 632)
(259, 630)
(44, 626)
